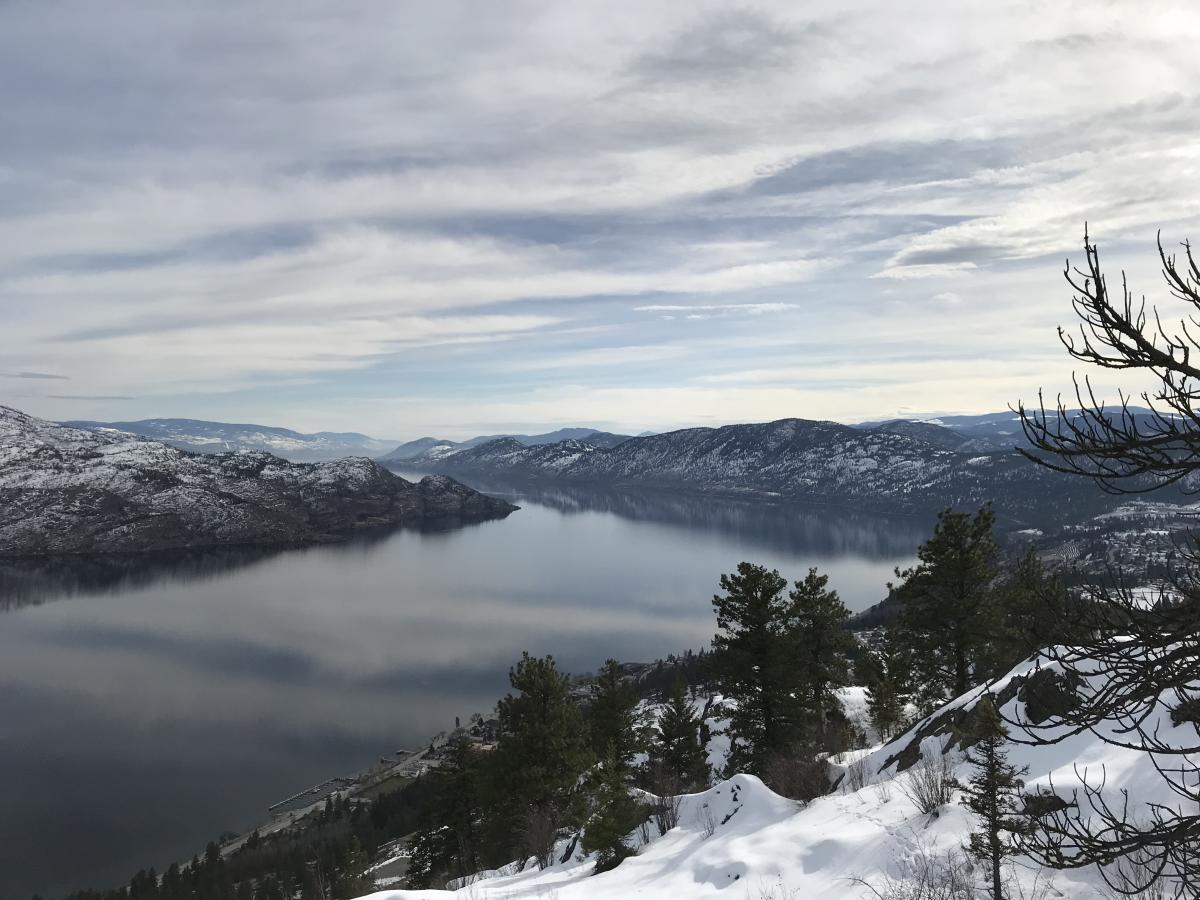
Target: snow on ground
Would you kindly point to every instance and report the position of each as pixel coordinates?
(740, 840)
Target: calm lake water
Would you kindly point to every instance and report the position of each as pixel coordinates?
(150, 704)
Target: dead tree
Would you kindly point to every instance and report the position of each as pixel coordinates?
(1130, 672)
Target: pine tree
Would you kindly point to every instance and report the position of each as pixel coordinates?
(612, 719)
(615, 813)
(353, 880)
(314, 887)
(993, 793)
(541, 753)
(1031, 607)
(678, 755)
(948, 617)
(172, 883)
(885, 707)
(426, 854)
(460, 806)
(750, 661)
(821, 645)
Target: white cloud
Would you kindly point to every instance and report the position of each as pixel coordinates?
(464, 178)
(930, 270)
(752, 309)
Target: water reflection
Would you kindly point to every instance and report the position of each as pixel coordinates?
(160, 700)
(827, 530)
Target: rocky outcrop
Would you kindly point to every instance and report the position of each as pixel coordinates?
(67, 490)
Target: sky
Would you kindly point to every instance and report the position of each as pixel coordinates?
(462, 218)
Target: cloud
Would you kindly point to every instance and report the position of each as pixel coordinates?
(34, 376)
(753, 309)
(927, 270)
(90, 397)
(463, 203)
(729, 43)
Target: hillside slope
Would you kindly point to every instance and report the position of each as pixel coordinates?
(738, 839)
(67, 490)
(792, 458)
(200, 436)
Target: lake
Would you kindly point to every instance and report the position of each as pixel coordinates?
(149, 704)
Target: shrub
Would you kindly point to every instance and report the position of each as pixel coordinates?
(930, 783)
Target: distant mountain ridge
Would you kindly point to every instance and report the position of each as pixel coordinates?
(985, 431)
(425, 445)
(66, 490)
(890, 466)
(200, 436)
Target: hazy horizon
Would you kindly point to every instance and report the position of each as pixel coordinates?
(541, 428)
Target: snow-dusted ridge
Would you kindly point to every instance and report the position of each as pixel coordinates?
(740, 840)
(201, 436)
(886, 467)
(70, 490)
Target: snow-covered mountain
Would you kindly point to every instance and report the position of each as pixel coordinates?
(868, 839)
(983, 432)
(70, 490)
(223, 437)
(425, 445)
(884, 467)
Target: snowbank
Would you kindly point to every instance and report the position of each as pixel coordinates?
(740, 840)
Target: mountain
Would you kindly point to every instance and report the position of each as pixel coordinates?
(70, 490)
(938, 435)
(426, 445)
(867, 838)
(222, 437)
(987, 431)
(886, 467)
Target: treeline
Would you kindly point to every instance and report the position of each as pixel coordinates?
(559, 768)
(325, 858)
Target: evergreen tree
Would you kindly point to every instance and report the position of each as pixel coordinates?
(885, 707)
(1031, 608)
(460, 805)
(612, 719)
(750, 662)
(172, 883)
(677, 754)
(882, 672)
(614, 814)
(542, 752)
(353, 880)
(947, 616)
(993, 793)
(314, 886)
(426, 855)
(821, 644)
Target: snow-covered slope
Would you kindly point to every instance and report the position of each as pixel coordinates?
(795, 458)
(740, 840)
(69, 490)
(224, 437)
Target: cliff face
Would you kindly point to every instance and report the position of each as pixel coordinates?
(68, 490)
